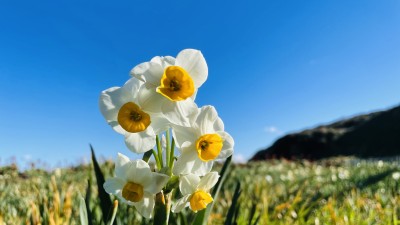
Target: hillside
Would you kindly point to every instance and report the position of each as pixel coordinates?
(370, 135)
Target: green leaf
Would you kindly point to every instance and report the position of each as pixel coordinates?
(232, 209)
(252, 212)
(105, 200)
(202, 216)
(87, 200)
(147, 155)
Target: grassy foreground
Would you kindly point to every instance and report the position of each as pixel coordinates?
(334, 191)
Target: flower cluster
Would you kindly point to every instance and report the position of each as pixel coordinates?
(159, 99)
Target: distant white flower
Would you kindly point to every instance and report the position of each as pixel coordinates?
(124, 112)
(195, 192)
(396, 175)
(135, 184)
(172, 83)
(202, 143)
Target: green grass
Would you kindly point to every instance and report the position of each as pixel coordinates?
(335, 191)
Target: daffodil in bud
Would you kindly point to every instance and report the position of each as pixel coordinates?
(172, 83)
(135, 184)
(202, 143)
(122, 109)
(195, 191)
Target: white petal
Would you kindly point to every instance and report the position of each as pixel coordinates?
(150, 72)
(113, 98)
(110, 102)
(200, 167)
(181, 113)
(183, 134)
(194, 63)
(149, 100)
(142, 141)
(180, 204)
(219, 125)
(164, 61)
(146, 206)
(121, 161)
(208, 181)
(227, 146)
(131, 88)
(155, 182)
(138, 171)
(206, 119)
(113, 185)
(159, 123)
(188, 183)
(185, 162)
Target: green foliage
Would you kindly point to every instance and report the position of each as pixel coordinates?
(105, 201)
(334, 191)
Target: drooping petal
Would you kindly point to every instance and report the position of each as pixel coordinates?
(194, 63)
(208, 181)
(122, 160)
(183, 134)
(141, 142)
(138, 172)
(185, 162)
(188, 183)
(146, 206)
(149, 100)
(206, 119)
(155, 182)
(181, 113)
(180, 204)
(149, 72)
(113, 185)
(227, 146)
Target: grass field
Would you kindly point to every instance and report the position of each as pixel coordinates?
(334, 191)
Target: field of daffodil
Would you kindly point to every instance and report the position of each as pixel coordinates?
(335, 191)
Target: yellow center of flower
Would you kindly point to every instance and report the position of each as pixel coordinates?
(199, 200)
(132, 192)
(176, 84)
(209, 146)
(132, 118)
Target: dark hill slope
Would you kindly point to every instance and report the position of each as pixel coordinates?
(371, 135)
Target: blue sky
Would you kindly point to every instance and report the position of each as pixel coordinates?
(274, 66)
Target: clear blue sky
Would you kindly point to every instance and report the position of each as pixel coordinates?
(274, 66)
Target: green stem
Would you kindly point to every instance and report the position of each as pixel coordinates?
(157, 159)
(172, 155)
(159, 149)
(168, 150)
(161, 209)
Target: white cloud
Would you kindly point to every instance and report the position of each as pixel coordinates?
(272, 130)
(239, 158)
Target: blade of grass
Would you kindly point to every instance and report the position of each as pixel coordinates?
(105, 200)
(232, 208)
(82, 211)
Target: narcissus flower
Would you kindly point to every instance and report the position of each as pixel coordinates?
(195, 191)
(202, 143)
(122, 109)
(172, 84)
(135, 184)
